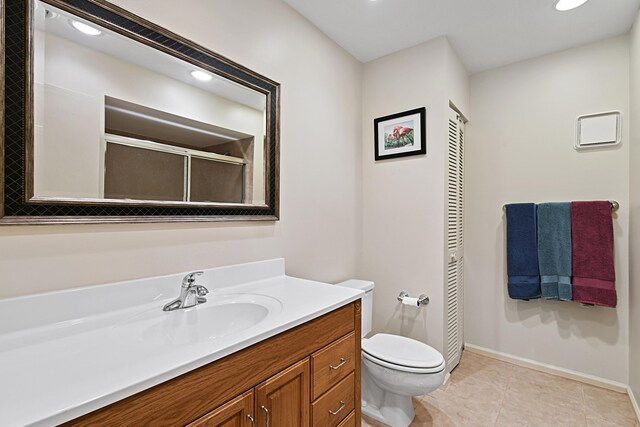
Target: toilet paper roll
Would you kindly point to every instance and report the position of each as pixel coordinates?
(410, 301)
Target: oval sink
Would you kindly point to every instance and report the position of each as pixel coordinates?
(221, 315)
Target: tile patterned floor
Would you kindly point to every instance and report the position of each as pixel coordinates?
(486, 392)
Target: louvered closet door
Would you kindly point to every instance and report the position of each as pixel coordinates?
(455, 241)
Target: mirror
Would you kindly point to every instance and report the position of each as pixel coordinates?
(124, 114)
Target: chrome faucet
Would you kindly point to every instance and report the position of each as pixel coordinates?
(190, 293)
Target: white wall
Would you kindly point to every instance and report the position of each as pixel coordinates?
(634, 217)
(403, 199)
(319, 232)
(68, 152)
(457, 80)
(520, 148)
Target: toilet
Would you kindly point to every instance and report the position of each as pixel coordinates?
(394, 368)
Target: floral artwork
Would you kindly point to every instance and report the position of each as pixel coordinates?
(401, 134)
(398, 135)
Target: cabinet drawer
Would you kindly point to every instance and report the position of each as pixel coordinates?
(350, 421)
(334, 405)
(331, 364)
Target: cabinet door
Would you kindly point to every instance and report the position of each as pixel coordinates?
(283, 400)
(237, 413)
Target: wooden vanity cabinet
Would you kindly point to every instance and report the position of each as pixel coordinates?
(350, 421)
(237, 413)
(333, 382)
(305, 376)
(283, 400)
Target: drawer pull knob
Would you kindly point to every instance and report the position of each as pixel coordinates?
(253, 422)
(266, 412)
(342, 405)
(338, 366)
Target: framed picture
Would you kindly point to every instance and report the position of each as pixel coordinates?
(402, 134)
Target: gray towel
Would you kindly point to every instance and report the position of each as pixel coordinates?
(554, 250)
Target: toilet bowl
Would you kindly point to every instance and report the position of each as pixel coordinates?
(394, 368)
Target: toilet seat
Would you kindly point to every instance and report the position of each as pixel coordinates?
(402, 354)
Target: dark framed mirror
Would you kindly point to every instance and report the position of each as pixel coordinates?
(111, 118)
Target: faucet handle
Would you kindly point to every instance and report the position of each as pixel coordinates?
(190, 278)
(202, 291)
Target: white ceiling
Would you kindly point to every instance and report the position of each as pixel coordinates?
(485, 33)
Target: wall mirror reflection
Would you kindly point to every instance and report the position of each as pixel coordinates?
(124, 115)
(117, 121)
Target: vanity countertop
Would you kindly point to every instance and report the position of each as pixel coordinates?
(68, 353)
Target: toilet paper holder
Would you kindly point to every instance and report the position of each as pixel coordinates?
(423, 299)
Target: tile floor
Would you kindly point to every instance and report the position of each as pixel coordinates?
(487, 392)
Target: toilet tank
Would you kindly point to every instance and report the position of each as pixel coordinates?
(367, 301)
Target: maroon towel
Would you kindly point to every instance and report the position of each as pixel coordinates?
(592, 247)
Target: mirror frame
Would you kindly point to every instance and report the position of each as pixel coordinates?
(17, 206)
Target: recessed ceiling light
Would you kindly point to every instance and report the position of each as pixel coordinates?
(563, 5)
(86, 29)
(201, 75)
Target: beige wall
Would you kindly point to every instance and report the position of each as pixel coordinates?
(319, 233)
(634, 217)
(520, 148)
(403, 199)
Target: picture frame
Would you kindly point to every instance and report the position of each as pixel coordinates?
(401, 134)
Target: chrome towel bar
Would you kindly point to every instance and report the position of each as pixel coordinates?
(614, 206)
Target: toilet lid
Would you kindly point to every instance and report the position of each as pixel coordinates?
(402, 351)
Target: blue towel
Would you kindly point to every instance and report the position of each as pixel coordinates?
(554, 250)
(522, 252)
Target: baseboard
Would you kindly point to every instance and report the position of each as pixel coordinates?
(634, 402)
(550, 369)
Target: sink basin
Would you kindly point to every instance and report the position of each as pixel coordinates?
(221, 315)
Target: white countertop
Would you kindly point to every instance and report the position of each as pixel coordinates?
(65, 354)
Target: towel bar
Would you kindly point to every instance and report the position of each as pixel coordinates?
(614, 206)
